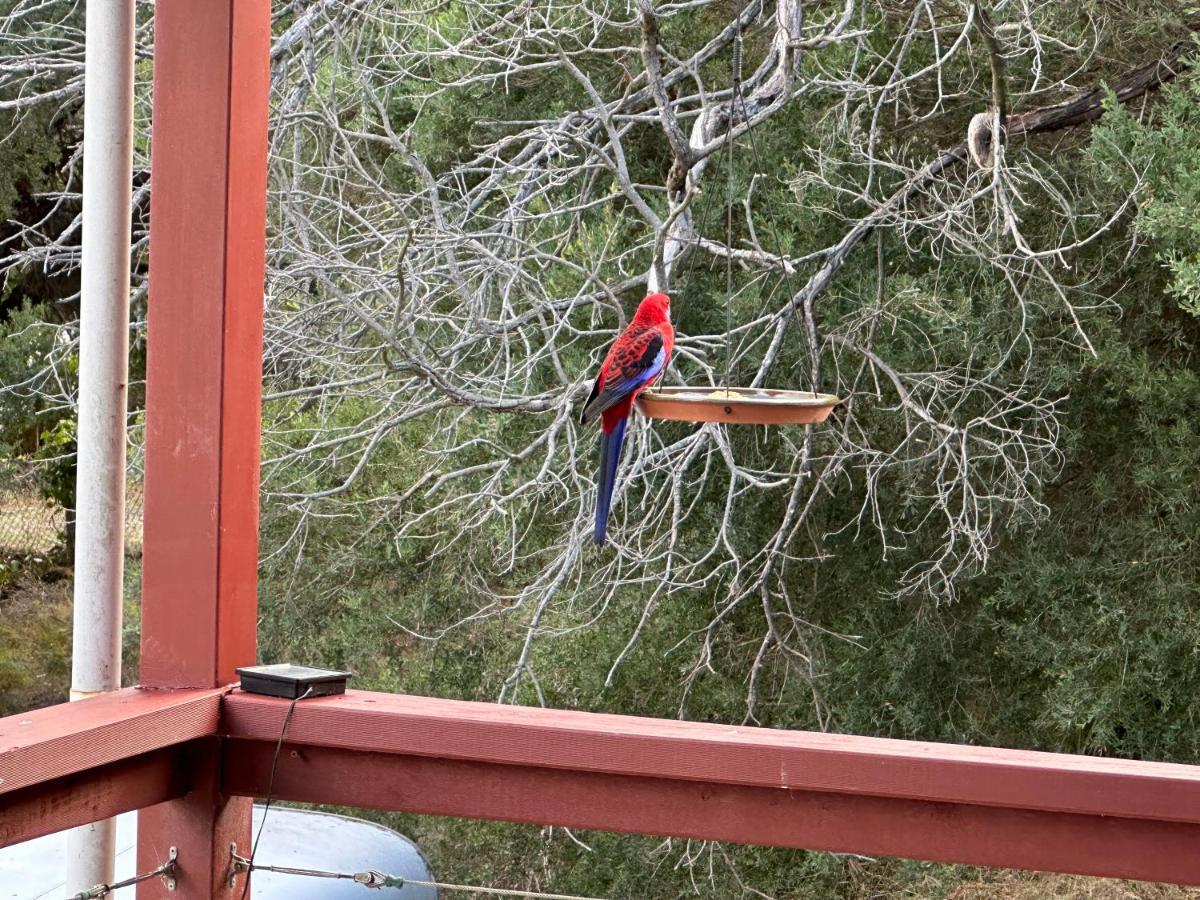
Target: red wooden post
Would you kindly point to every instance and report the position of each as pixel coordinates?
(208, 213)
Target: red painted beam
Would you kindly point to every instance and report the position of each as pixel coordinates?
(722, 754)
(204, 344)
(203, 394)
(734, 812)
(41, 746)
(65, 765)
(94, 794)
(208, 226)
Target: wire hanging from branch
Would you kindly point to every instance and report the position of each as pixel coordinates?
(735, 99)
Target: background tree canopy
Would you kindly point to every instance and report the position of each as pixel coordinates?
(992, 541)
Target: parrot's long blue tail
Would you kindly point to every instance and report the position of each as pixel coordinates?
(610, 456)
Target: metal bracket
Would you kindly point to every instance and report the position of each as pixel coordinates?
(169, 872)
(237, 865)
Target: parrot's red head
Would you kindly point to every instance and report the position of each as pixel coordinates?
(654, 309)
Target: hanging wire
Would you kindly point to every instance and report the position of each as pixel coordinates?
(703, 212)
(772, 226)
(704, 207)
(287, 719)
(738, 99)
(734, 99)
(755, 152)
(376, 879)
(103, 890)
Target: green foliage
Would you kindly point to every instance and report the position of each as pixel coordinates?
(35, 635)
(30, 156)
(36, 142)
(25, 344)
(35, 632)
(31, 429)
(1082, 637)
(57, 473)
(1166, 150)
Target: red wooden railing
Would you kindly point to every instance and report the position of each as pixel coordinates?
(189, 751)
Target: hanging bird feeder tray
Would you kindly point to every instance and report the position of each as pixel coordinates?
(737, 406)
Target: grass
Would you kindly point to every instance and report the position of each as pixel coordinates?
(35, 635)
(35, 631)
(1005, 885)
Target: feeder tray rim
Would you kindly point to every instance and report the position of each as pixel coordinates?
(716, 396)
(737, 406)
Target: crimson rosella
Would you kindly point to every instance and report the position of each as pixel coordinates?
(635, 359)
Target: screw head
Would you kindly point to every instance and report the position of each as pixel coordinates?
(170, 884)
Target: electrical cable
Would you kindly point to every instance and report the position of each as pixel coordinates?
(287, 719)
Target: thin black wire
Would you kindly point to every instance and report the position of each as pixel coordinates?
(704, 210)
(734, 98)
(772, 225)
(738, 97)
(287, 719)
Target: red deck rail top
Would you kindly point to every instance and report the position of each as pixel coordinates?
(63, 766)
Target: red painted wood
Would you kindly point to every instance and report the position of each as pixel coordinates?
(46, 744)
(241, 400)
(737, 813)
(207, 233)
(723, 754)
(92, 795)
(204, 361)
(63, 765)
(203, 825)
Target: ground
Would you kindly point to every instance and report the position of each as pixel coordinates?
(1035, 886)
(35, 631)
(35, 634)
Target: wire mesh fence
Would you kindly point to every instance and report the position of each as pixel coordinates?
(32, 524)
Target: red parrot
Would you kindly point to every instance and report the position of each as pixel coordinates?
(635, 359)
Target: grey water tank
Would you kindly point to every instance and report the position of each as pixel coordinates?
(293, 837)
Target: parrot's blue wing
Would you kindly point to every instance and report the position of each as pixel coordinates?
(630, 374)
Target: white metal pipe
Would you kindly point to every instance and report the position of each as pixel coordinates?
(103, 378)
